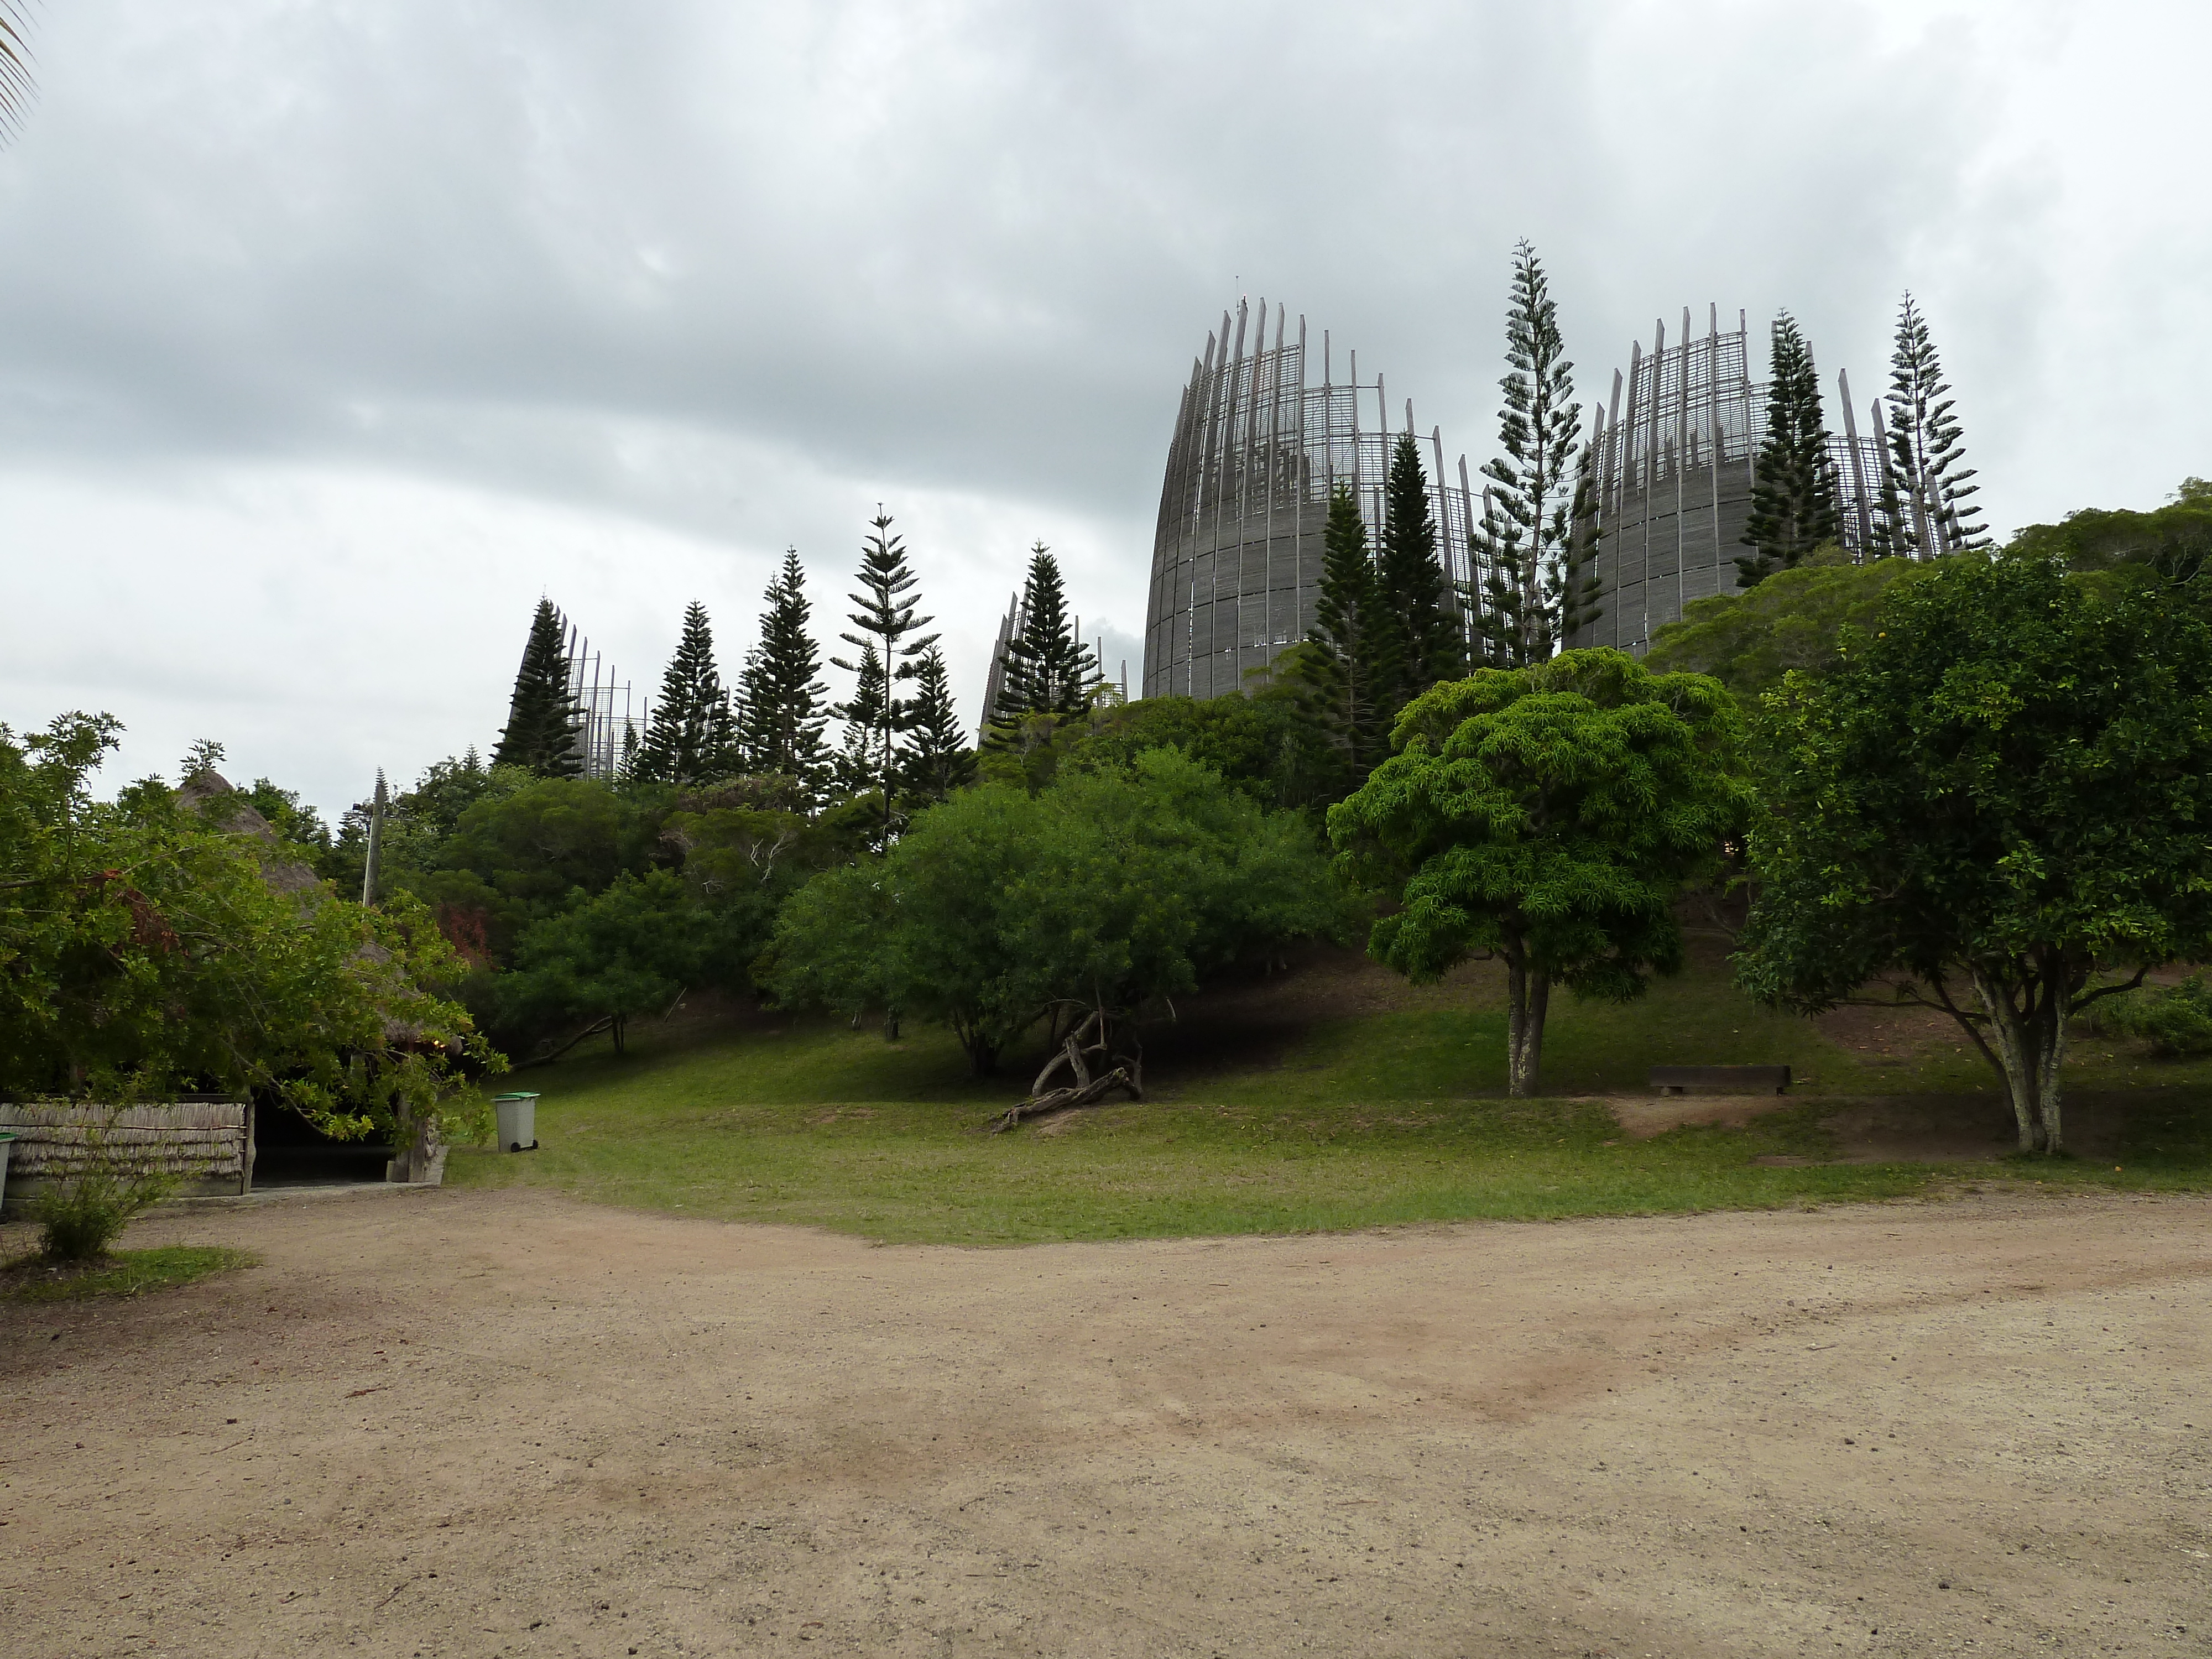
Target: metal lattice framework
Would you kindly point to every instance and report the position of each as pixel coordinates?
(1257, 452)
(608, 730)
(1674, 454)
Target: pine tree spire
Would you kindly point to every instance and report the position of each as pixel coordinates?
(1534, 593)
(1346, 623)
(544, 725)
(864, 764)
(785, 701)
(935, 759)
(1424, 632)
(885, 618)
(1793, 495)
(1927, 511)
(1048, 669)
(692, 737)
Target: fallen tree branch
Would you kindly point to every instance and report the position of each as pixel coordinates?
(1084, 1094)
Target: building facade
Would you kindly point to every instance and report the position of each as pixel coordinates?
(1673, 454)
(1260, 447)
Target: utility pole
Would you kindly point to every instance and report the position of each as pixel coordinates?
(376, 807)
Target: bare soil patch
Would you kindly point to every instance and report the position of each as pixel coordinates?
(476, 1423)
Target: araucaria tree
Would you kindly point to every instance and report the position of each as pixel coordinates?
(1793, 494)
(1347, 616)
(543, 722)
(1998, 793)
(934, 760)
(864, 764)
(887, 626)
(1551, 816)
(692, 737)
(1048, 669)
(1924, 490)
(1534, 592)
(785, 703)
(1424, 643)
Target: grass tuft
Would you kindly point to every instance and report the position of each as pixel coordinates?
(125, 1273)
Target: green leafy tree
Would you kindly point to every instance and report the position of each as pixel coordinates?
(1793, 495)
(2000, 790)
(544, 726)
(1425, 642)
(609, 955)
(1534, 591)
(2172, 543)
(1924, 499)
(1549, 816)
(1794, 619)
(169, 941)
(786, 705)
(934, 760)
(890, 631)
(1106, 893)
(692, 736)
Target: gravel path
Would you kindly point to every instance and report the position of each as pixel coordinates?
(469, 1422)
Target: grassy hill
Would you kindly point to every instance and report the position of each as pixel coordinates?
(1327, 1094)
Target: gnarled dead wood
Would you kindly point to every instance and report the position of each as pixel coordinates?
(1056, 1100)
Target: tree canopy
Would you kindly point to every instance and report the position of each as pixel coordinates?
(1105, 892)
(167, 940)
(1550, 816)
(2002, 786)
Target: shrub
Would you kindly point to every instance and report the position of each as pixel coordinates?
(80, 1217)
(2175, 1022)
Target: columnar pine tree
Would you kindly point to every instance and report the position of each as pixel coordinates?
(1347, 620)
(786, 704)
(934, 759)
(1048, 669)
(692, 737)
(864, 765)
(542, 721)
(1793, 494)
(1927, 511)
(885, 619)
(1424, 631)
(1534, 591)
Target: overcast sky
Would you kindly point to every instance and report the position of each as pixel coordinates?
(332, 334)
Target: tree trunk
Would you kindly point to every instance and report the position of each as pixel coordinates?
(1529, 995)
(618, 1024)
(2027, 1028)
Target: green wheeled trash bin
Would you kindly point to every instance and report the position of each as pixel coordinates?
(518, 1122)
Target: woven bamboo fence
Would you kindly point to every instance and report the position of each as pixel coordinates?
(203, 1145)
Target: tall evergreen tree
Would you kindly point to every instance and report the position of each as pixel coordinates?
(885, 619)
(1424, 632)
(934, 760)
(1793, 493)
(692, 737)
(1926, 500)
(1348, 622)
(864, 765)
(1048, 669)
(544, 725)
(786, 702)
(1534, 592)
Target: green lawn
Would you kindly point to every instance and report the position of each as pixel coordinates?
(123, 1273)
(1352, 1122)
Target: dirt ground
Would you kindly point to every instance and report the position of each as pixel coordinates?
(468, 1423)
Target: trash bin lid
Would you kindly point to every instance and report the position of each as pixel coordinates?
(499, 1097)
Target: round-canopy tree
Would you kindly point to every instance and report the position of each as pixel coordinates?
(1549, 815)
(2008, 783)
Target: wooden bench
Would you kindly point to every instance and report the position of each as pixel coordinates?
(1721, 1079)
